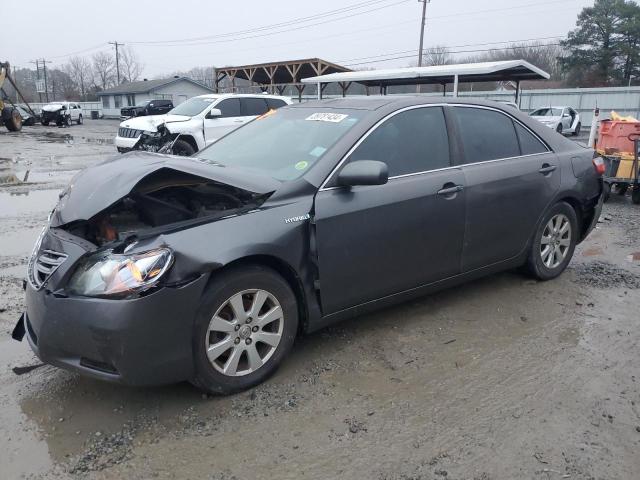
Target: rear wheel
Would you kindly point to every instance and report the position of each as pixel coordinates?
(245, 327)
(576, 132)
(12, 119)
(554, 242)
(183, 148)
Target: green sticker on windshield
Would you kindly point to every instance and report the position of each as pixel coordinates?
(301, 165)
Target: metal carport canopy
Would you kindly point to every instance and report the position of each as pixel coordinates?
(508, 70)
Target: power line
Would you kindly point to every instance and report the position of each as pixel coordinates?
(227, 40)
(454, 52)
(287, 23)
(453, 46)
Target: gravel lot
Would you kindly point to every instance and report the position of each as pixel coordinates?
(502, 378)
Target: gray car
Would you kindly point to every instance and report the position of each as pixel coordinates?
(156, 269)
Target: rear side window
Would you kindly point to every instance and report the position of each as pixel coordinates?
(275, 103)
(229, 107)
(253, 106)
(410, 142)
(529, 144)
(486, 134)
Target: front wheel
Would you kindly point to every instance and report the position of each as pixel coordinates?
(80, 120)
(67, 121)
(246, 325)
(45, 123)
(554, 242)
(183, 148)
(559, 128)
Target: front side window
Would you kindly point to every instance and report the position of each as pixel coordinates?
(229, 107)
(275, 103)
(547, 112)
(409, 142)
(486, 134)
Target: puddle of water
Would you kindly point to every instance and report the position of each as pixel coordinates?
(18, 243)
(14, 204)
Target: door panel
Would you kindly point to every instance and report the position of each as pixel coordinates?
(217, 127)
(505, 199)
(374, 241)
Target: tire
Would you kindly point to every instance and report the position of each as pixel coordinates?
(606, 191)
(183, 148)
(635, 194)
(241, 339)
(576, 132)
(45, 123)
(12, 119)
(67, 121)
(547, 266)
(621, 189)
(559, 128)
(80, 120)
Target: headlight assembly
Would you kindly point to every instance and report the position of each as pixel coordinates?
(107, 274)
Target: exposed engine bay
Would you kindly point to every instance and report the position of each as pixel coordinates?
(157, 142)
(161, 200)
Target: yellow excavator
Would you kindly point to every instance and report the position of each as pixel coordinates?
(9, 115)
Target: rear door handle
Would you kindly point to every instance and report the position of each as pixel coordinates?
(450, 190)
(546, 168)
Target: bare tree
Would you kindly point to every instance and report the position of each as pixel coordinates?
(130, 64)
(79, 69)
(104, 66)
(437, 55)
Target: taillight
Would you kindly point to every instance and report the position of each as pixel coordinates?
(598, 164)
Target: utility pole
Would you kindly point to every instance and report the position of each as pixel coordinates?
(117, 58)
(38, 75)
(420, 48)
(46, 85)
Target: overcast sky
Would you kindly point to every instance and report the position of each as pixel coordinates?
(205, 33)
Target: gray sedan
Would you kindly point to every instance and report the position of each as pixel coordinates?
(156, 269)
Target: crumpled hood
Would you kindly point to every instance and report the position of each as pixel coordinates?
(100, 186)
(547, 119)
(150, 123)
(52, 108)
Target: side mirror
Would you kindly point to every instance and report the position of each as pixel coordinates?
(214, 112)
(363, 172)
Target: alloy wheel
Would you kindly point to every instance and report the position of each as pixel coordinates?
(244, 332)
(555, 241)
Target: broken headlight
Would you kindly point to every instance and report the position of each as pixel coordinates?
(118, 275)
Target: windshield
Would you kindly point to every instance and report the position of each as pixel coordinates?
(143, 104)
(547, 112)
(284, 143)
(192, 107)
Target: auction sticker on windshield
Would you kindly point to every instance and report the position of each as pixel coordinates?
(327, 117)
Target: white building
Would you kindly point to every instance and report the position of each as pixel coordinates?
(177, 89)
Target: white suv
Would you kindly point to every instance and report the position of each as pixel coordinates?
(62, 113)
(194, 124)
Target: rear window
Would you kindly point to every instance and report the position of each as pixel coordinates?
(529, 144)
(486, 134)
(253, 106)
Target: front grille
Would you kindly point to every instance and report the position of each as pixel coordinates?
(129, 132)
(42, 265)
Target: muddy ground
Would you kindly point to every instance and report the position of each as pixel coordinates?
(503, 378)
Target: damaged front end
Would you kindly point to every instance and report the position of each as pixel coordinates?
(160, 141)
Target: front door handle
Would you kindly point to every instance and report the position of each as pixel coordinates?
(449, 189)
(546, 168)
